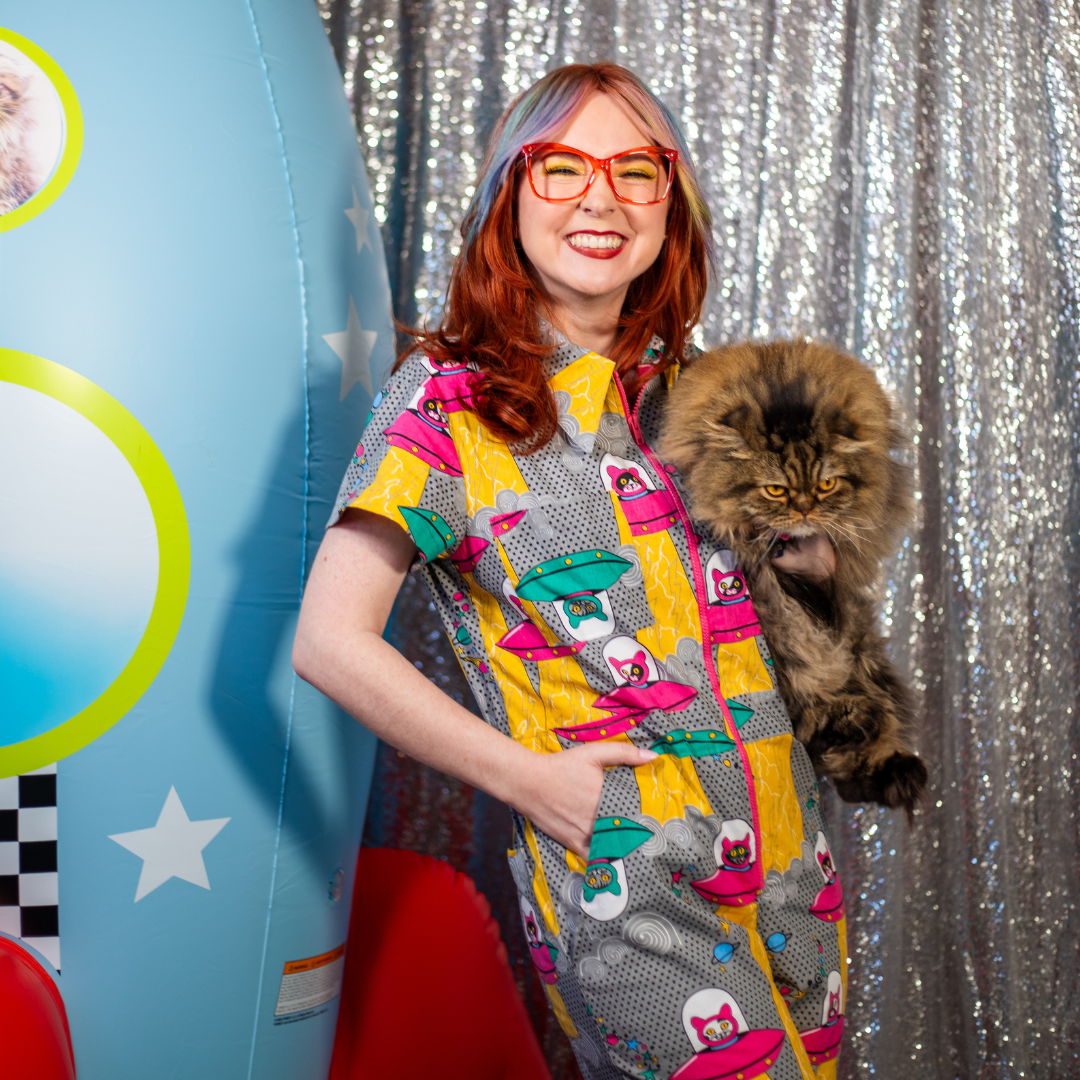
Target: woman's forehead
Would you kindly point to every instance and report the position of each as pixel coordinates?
(602, 126)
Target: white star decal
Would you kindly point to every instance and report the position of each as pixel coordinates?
(172, 848)
(359, 218)
(353, 346)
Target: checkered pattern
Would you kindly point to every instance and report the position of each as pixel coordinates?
(29, 903)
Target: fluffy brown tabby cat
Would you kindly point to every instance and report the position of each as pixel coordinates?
(16, 183)
(792, 438)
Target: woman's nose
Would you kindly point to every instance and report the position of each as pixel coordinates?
(599, 199)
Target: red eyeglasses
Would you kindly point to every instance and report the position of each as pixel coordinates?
(560, 173)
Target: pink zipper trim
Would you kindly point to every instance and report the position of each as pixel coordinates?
(699, 592)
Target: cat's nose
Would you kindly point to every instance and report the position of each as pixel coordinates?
(803, 503)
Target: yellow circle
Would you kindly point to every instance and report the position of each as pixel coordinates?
(174, 558)
(73, 133)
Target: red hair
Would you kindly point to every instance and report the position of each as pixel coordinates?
(495, 304)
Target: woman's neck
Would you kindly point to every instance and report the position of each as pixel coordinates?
(591, 326)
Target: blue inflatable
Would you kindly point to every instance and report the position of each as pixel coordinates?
(193, 315)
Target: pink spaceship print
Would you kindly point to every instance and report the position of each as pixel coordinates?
(467, 554)
(641, 687)
(540, 952)
(647, 509)
(423, 430)
(823, 1043)
(829, 903)
(725, 1048)
(731, 611)
(738, 878)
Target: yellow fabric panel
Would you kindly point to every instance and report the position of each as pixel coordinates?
(668, 589)
(399, 481)
(586, 381)
(757, 948)
(558, 1006)
(523, 706)
(488, 464)
(566, 693)
(827, 1070)
(540, 885)
(668, 785)
(841, 938)
(741, 669)
(778, 803)
(576, 863)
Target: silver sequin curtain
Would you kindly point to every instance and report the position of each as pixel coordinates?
(901, 177)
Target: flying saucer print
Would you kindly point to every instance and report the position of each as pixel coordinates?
(823, 1043)
(738, 877)
(731, 612)
(725, 1048)
(646, 508)
(829, 903)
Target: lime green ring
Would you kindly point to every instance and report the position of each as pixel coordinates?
(73, 133)
(174, 558)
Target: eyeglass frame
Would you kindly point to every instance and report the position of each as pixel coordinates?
(600, 165)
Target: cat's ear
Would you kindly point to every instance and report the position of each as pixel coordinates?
(845, 434)
(727, 439)
(724, 433)
(843, 445)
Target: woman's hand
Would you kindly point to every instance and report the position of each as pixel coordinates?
(811, 556)
(560, 793)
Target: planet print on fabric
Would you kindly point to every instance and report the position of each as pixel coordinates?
(731, 612)
(576, 585)
(541, 953)
(724, 1046)
(640, 689)
(829, 903)
(823, 1043)
(646, 508)
(605, 893)
(738, 877)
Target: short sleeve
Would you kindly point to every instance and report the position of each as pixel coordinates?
(406, 467)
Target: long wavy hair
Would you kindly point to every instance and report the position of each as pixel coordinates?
(495, 303)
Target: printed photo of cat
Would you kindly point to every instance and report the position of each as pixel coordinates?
(784, 440)
(31, 128)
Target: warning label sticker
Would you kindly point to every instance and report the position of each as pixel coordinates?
(307, 984)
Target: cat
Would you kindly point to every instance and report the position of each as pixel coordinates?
(782, 440)
(16, 179)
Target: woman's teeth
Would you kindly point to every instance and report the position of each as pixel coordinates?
(591, 240)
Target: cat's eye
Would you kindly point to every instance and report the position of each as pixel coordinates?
(826, 484)
(774, 491)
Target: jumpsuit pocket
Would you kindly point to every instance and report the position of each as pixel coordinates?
(606, 889)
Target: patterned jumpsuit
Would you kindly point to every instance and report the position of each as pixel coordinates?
(705, 937)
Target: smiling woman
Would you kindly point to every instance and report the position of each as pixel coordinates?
(632, 719)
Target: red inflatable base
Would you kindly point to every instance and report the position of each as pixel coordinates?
(36, 1041)
(428, 991)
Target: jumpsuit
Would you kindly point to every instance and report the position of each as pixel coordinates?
(704, 938)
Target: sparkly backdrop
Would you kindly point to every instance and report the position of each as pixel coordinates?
(900, 177)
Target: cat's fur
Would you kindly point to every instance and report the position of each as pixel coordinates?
(16, 179)
(791, 414)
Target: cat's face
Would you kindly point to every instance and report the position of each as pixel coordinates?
(787, 438)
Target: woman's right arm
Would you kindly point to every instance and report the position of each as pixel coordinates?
(340, 650)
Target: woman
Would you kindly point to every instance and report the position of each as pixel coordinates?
(669, 849)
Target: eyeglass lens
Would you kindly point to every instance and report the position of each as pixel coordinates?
(640, 177)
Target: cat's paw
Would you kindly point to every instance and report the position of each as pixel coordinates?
(898, 782)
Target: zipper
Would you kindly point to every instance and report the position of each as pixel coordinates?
(699, 593)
